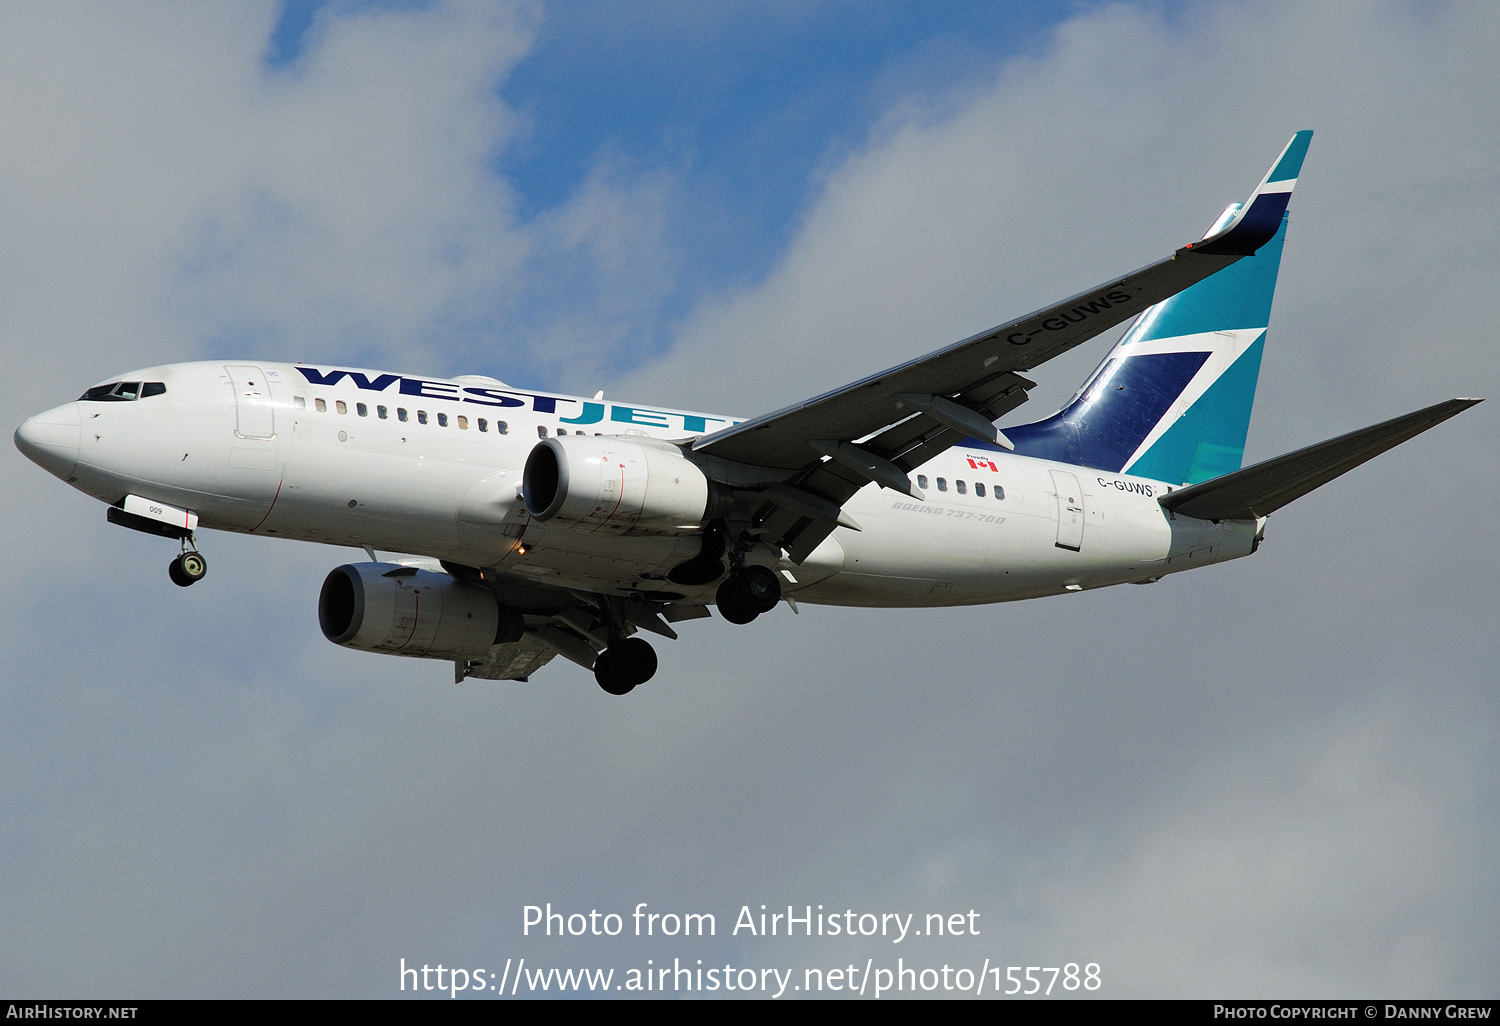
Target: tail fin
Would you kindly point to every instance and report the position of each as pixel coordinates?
(1172, 400)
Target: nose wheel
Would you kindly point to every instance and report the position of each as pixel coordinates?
(187, 568)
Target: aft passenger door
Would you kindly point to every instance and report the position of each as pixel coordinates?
(1070, 512)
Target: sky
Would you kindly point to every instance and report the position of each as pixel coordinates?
(1272, 778)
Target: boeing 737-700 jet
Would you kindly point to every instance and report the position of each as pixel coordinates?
(542, 525)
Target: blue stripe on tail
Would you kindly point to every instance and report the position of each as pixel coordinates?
(1099, 429)
(1209, 439)
(1172, 400)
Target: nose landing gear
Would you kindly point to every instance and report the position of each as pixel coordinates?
(189, 567)
(151, 516)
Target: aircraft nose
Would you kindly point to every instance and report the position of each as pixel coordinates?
(50, 439)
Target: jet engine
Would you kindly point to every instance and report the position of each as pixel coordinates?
(400, 610)
(619, 484)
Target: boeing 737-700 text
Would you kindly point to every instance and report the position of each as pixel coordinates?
(542, 525)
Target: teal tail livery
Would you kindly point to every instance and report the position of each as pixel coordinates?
(1172, 400)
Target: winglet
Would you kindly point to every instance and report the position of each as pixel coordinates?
(1260, 217)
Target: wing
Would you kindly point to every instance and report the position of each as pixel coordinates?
(882, 427)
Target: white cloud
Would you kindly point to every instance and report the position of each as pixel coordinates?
(1324, 858)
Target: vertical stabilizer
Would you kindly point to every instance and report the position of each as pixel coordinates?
(1172, 400)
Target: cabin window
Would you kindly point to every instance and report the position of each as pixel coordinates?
(541, 431)
(299, 403)
(380, 412)
(921, 480)
(961, 488)
(421, 416)
(361, 409)
(999, 492)
(562, 431)
(463, 422)
(442, 420)
(484, 425)
(502, 428)
(979, 489)
(321, 405)
(401, 414)
(942, 484)
(341, 406)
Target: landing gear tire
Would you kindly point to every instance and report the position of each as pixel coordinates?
(732, 603)
(746, 595)
(187, 569)
(762, 587)
(624, 665)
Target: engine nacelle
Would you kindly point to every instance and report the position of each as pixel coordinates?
(400, 610)
(619, 484)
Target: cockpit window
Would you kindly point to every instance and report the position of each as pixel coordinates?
(123, 391)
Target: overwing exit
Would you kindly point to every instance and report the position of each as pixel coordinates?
(532, 525)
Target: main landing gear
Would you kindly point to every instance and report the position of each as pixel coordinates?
(745, 595)
(189, 567)
(624, 664)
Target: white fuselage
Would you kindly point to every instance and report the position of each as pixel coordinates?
(433, 467)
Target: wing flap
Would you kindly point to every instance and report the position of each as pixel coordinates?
(516, 660)
(1260, 490)
(907, 444)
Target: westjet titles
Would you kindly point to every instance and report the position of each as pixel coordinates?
(586, 411)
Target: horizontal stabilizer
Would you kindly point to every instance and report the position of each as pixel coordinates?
(1264, 488)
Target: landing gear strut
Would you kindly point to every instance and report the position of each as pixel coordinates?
(624, 664)
(745, 595)
(189, 567)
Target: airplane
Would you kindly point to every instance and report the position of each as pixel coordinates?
(535, 524)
